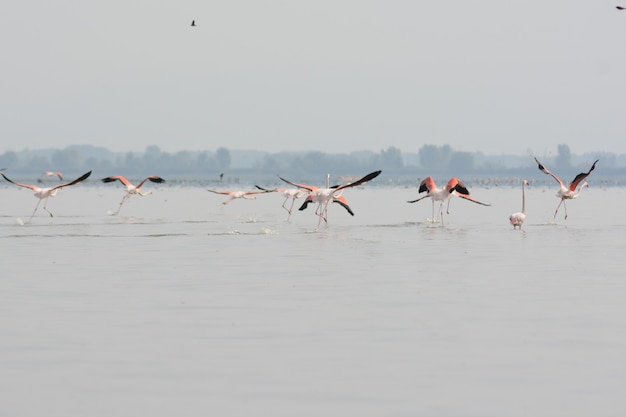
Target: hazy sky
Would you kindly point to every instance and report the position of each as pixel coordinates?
(336, 76)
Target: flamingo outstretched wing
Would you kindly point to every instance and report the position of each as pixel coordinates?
(581, 176)
(119, 178)
(470, 198)
(545, 170)
(343, 203)
(363, 180)
(151, 178)
(34, 187)
(421, 198)
(311, 188)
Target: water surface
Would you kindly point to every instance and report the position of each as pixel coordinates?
(183, 306)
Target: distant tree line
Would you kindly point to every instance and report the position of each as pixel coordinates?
(429, 160)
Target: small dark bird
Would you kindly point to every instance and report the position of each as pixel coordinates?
(193, 23)
(620, 7)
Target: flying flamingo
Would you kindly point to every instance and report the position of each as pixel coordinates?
(517, 219)
(45, 193)
(132, 189)
(289, 193)
(454, 186)
(567, 193)
(324, 196)
(53, 174)
(246, 195)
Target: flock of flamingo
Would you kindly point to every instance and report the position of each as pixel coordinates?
(323, 196)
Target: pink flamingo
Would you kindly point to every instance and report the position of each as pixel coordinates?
(246, 195)
(567, 193)
(289, 193)
(45, 193)
(132, 189)
(517, 219)
(53, 174)
(454, 186)
(324, 196)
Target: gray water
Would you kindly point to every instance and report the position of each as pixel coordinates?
(183, 306)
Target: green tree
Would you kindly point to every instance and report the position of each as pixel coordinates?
(222, 156)
(434, 158)
(564, 157)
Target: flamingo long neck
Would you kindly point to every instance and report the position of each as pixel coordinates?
(523, 197)
(580, 190)
(327, 180)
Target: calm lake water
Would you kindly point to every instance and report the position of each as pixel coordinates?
(181, 306)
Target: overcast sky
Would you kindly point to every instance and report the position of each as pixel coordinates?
(336, 76)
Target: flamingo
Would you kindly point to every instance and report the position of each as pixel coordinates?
(567, 193)
(53, 174)
(45, 193)
(289, 193)
(132, 189)
(324, 196)
(517, 219)
(454, 186)
(246, 195)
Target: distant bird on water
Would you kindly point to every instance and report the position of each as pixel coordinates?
(517, 219)
(45, 193)
(193, 23)
(567, 193)
(132, 189)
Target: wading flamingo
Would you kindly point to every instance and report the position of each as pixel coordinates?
(246, 195)
(289, 193)
(132, 189)
(454, 187)
(324, 196)
(517, 219)
(45, 193)
(567, 193)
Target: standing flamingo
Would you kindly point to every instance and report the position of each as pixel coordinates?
(567, 193)
(246, 195)
(454, 186)
(289, 193)
(517, 219)
(45, 193)
(324, 196)
(132, 189)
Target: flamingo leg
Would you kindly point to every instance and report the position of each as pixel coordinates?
(557, 210)
(44, 207)
(322, 212)
(441, 212)
(293, 201)
(121, 203)
(31, 216)
(432, 219)
(565, 208)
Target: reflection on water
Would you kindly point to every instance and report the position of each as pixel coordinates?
(186, 305)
